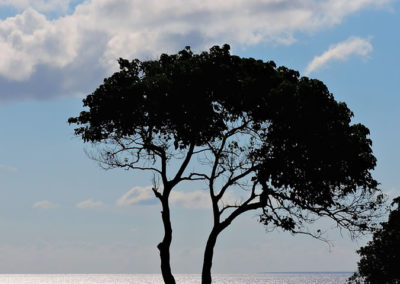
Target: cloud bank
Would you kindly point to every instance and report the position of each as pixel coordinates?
(136, 195)
(144, 195)
(72, 53)
(45, 204)
(89, 204)
(341, 51)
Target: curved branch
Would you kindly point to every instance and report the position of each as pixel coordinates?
(183, 166)
(193, 176)
(232, 181)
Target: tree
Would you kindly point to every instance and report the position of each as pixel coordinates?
(380, 258)
(280, 138)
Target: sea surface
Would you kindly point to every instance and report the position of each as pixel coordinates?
(269, 278)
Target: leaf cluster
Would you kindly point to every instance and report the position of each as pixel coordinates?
(380, 258)
(185, 98)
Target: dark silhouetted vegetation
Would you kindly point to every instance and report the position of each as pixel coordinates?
(380, 258)
(280, 141)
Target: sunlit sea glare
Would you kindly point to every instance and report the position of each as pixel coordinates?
(269, 278)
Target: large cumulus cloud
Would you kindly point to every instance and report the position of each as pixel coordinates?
(42, 57)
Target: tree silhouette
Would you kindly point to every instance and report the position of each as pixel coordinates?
(282, 142)
(380, 258)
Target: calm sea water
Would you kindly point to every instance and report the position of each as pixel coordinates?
(269, 278)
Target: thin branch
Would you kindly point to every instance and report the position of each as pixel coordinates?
(226, 207)
(232, 181)
(201, 151)
(193, 176)
(143, 169)
(157, 194)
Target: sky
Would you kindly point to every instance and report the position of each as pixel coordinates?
(61, 213)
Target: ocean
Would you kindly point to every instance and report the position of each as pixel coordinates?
(265, 278)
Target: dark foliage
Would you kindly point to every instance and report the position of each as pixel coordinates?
(380, 258)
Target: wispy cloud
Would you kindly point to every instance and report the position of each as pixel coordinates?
(89, 204)
(45, 204)
(8, 168)
(144, 195)
(88, 41)
(191, 200)
(198, 199)
(136, 195)
(341, 51)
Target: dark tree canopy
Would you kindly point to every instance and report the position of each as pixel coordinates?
(380, 258)
(183, 98)
(280, 137)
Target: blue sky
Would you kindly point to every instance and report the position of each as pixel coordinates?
(60, 212)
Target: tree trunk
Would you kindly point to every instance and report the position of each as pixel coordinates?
(208, 256)
(164, 246)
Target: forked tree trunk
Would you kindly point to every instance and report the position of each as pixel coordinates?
(164, 246)
(216, 230)
(208, 255)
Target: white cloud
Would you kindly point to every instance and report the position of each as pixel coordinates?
(29, 39)
(341, 51)
(98, 32)
(144, 195)
(89, 204)
(45, 204)
(136, 195)
(191, 200)
(40, 5)
(198, 199)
